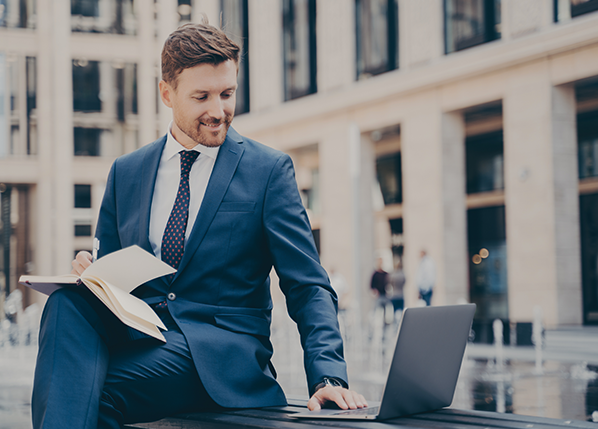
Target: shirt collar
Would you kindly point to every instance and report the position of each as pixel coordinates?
(173, 147)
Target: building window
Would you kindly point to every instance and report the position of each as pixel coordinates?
(484, 162)
(316, 235)
(103, 16)
(18, 93)
(184, 10)
(18, 14)
(470, 22)
(377, 42)
(580, 7)
(299, 48)
(87, 8)
(396, 238)
(15, 249)
(486, 236)
(105, 105)
(82, 215)
(87, 141)
(388, 170)
(311, 196)
(588, 213)
(82, 196)
(86, 86)
(235, 21)
(587, 136)
(82, 230)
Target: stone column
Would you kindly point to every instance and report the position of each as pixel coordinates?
(434, 197)
(346, 233)
(55, 193)
(541, 197)
(336, 47)
(454, 208)
(43, 195)
(566, 197)
(98, 188)
(265, 53)
(62, 136)
(147, 71)
(167, 23)
(521, 17)
(21, 149)
(211, 9)
(421, 38)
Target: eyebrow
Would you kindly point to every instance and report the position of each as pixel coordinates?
(203, 91)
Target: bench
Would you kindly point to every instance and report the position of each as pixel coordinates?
(279, 417)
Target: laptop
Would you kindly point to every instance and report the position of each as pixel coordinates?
(424, 369)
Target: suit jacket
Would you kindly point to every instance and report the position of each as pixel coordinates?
(251, 219)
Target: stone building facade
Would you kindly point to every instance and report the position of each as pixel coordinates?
(466, 128)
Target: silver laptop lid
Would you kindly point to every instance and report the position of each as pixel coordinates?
(427, 359)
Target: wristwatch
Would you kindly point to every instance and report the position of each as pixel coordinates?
(328, 381)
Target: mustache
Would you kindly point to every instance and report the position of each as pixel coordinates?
(213, 121)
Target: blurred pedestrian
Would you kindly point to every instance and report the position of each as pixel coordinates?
(397, 283)
(426, 277)
(379, 285)
(379, 280)
(341, 287)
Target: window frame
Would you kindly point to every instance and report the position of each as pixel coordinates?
(292, 93)
(583, 8)
(489, 33)
(392, 41)
(243, 90)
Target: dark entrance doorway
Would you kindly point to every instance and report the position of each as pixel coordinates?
(488, 270)
(588, 213)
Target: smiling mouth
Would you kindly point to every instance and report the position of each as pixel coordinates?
(213, 127)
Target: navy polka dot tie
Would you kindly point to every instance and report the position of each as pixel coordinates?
(173, 241)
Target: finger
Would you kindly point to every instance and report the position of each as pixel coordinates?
(81, 262)
(84, 258)
(354, 399)
(333, 394)
(349, 400)
(327, 394)
(313, 404)
(361, 401)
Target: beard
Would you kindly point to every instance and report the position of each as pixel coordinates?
(199, 134)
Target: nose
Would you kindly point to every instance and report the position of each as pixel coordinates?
(215, 108)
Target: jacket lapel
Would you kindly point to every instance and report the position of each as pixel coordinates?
(147, 182)
(226, 164)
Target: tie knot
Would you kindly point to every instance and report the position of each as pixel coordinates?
(188, 157)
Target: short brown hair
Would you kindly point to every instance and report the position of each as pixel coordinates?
(193, 44)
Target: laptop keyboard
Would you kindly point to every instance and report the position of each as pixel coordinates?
(360, 412)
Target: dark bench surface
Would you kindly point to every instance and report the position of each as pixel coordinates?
(279, 417)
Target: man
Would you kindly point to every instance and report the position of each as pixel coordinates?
(396, 280)
(223, 210)
(426, 277)
(379, 280)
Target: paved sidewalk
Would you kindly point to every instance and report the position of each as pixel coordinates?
(568, 388)
(574, 345)
(16, 380)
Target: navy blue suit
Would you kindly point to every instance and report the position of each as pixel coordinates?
(251, 219)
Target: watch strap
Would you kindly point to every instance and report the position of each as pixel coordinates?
(329, 381)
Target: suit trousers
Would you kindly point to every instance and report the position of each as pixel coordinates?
(90, 374)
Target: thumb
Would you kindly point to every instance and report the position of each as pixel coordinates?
(314, 404)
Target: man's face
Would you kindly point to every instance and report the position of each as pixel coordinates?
(203, 103)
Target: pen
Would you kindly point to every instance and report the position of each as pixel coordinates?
(96, 247)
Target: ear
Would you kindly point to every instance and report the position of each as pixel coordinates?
(166, 93)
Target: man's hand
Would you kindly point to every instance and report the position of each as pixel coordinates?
(344, 398)
(81, 261)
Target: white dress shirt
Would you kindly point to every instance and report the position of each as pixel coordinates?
(167, 186)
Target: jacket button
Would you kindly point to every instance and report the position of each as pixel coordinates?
(171, 296)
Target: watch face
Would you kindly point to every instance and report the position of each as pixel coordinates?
(332, 382)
